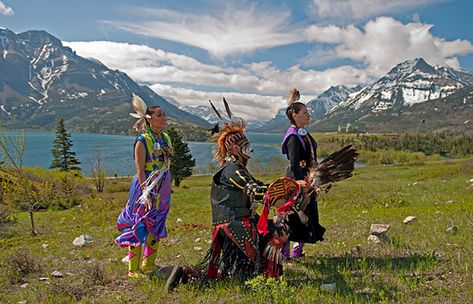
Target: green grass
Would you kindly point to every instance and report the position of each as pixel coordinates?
(420, 263)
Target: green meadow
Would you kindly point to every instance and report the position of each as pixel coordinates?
(419, 263)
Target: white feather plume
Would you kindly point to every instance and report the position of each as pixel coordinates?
(140, 112)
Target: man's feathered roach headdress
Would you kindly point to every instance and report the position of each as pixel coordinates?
(231, 132)
(140, 108)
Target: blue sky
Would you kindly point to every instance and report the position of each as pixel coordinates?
(253, 52)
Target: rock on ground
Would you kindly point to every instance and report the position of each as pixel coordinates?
(374, 239)
(452, 230)
(56, 274)
(82, 240)
(365, 291)
(379, 229)
(332, 287)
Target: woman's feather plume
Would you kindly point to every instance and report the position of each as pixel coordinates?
(293, 96)
(139, 106)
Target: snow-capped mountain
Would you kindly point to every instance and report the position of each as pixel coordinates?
(317, 107)
(326, 101)
(42, 80)
(408, 83)
(279, 123)
(204, 112)
(208, 114)
(409, 87)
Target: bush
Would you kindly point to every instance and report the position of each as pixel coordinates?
(271, 290)
(20, 264)
(118, 185)
(57, 190)
(391, 157)
(96, 274)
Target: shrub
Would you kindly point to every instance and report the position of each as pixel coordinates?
(20, 264)
(96, 274)
(271, 289)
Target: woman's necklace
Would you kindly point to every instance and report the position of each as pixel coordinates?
(156, 144)
(301, 131)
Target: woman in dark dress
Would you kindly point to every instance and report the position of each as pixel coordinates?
(301, 151)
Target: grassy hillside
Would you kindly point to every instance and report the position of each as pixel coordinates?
(421, 262)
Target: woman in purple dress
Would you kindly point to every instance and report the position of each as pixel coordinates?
(301, 151)
(143, 220)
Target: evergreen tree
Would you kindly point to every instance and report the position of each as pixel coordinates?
(182, 163)
(63, 158)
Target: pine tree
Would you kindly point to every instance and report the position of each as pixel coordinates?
(182, 162)
(63, 158)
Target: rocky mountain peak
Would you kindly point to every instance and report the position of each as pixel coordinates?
(329, 99)
(411, 88)
(409, 66)
(42, 80)
(408, 83)
(37, 39)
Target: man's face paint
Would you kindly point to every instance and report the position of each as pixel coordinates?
(247, 150)
(242, 151)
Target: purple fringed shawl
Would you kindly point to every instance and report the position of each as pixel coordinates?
(293, 131)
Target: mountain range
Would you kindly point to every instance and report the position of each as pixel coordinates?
(413, 96)
(208, 114)
(41, 80)
(318, 107)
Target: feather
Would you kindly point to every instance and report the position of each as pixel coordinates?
(140, 125)
(227, 108)
(336, 167)
(140, 108)
(215, 129)
(293, 96)
(216, 111)
(136, 115)
(139, 105)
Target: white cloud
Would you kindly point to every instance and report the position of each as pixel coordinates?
(248, 106)
(376, 47)
(385, 42)
(150, 65)
(348, 10)
(5, 10)
(234, 30)
(185, 78)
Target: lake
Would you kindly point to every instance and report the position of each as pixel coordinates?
(116, 151)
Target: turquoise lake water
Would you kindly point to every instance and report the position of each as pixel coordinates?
(116, 151)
